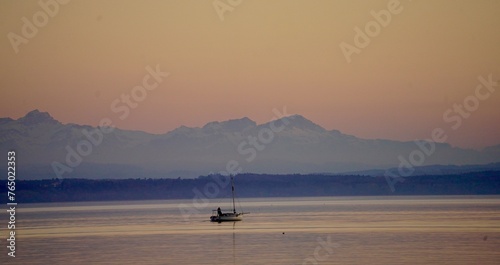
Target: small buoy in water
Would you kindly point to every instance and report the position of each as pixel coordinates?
(283, 233)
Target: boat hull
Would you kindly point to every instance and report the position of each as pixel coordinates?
(226, 218)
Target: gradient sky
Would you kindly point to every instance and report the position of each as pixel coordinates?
(264, 55)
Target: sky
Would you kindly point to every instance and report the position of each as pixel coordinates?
(409, 66)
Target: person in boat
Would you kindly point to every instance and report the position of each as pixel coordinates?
(219, 212)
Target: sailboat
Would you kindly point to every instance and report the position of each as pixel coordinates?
(218, 216)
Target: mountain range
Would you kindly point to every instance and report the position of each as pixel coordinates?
(47, 148)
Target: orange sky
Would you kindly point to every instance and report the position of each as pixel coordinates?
(264, 55)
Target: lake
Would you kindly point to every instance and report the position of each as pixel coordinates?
(314, 230)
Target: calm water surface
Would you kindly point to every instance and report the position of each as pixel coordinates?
(325, 230)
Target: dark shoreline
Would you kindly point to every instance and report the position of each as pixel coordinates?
(249, 185)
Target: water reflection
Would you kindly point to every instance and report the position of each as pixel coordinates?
(375, 231)
(234, 243)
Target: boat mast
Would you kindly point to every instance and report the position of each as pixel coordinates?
(232, 188)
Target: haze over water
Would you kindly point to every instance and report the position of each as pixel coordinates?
(367, 230)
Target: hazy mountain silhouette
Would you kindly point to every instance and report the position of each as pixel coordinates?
(300, 147)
